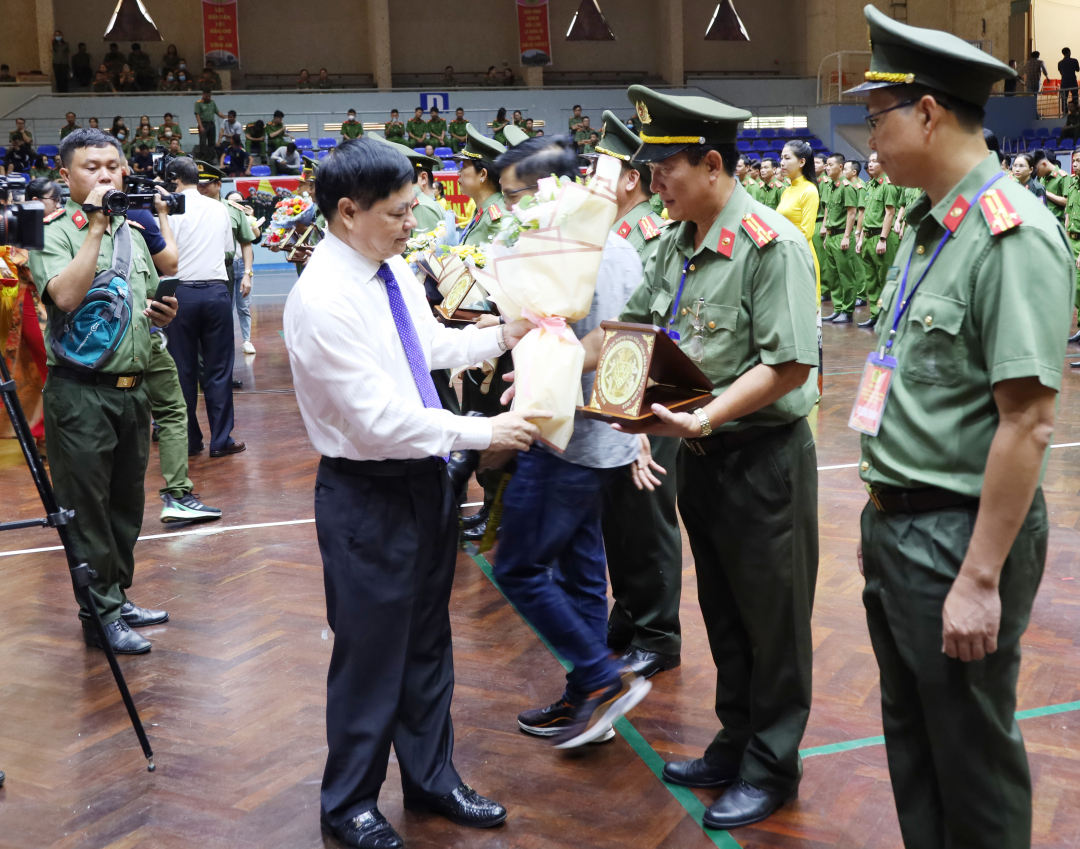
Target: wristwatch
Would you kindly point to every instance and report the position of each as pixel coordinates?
(703, 417)
(249, 273)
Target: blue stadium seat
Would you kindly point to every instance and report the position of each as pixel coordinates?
(762, 145)
(303, 144)
(816, 144)
(1042, 133)
(1055, 132)
(326, 143)
(1066, 144)
(53, 150)
(1027, 135)
(801, 132)
(260, 170)
(1050, 144)
(323, 154)
(443, 151)
(418, 150)
(768, 133)
(778, 144)
(744, 146)
(750, 134)
(226, 160)
(3, 152)
(450, 165)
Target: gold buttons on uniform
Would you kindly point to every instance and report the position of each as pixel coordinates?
(865, 466)
(684, 310)
(920, 250)
(929, 320)
(879, 303)
(712, 325)
(692, 268)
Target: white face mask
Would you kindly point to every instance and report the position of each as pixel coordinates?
(59, 38)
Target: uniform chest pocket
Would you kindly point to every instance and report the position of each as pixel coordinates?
(932, 350)
(661, 307)
(719, 323)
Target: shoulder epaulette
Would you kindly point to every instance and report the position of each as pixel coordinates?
(998, 212)
(624, 230)
(53, 216)
(136, 224)
(759, 231)
(648, 229)
(415, 203)
(847, 182)
(235, 205)
(494, 213)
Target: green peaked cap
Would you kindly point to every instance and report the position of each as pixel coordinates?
(617, 139)
(207, 172)
(478, 146)
(902, 55)
(671, 122)
(419, 160)
(514, 135)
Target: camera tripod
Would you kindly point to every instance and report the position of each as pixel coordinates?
(58, 518)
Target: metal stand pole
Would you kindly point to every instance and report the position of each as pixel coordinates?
(59, 518)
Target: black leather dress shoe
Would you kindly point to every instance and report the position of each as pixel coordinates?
(1075, 337)
(1, 779)
(192, 451)
(1074, 365)
(238, 384)
(122, 639)
(476, 532)
(860, 302)
(232, 448)
(697, 773)
(462, 806)
(370, 830)
(744, 804)
(645, 664)
(475, 519)
(137, 617)
(829, 317)
(870, 322)
(841, 318)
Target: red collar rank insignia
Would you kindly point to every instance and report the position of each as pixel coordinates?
(999, 214)
(759, 231)
(494, 213)
(648, 229)
(78, 218)
(136, 224)
(53, 216)
(726, 244)
(415, 203)
(955, 215)
(624, 230)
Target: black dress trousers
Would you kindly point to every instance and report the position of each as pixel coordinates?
(204, 325)
(388, 537)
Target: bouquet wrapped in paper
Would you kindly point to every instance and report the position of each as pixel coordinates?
(543, 268)
(291, 215)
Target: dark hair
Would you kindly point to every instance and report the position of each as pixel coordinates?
(838, 157)
(1037, 156)
(1066, 51)
(365, 170)
(1029, 157)
(1034, 54)
(968, 115)
(801, 150)
(991, 140)
(577, 106)
(135, 46)
(501, 116)
(259, 125)
(236, 138)
(87, 137)
(41, 161)
(183, 170)
(1004, 159)
(537, 158)
(856, 164)
(144, 146)
(820, 155)
(695, 153)
(744, 159)
(279, 114)
(231, 112)
(290, 147)
(772, 160)
(483, 163)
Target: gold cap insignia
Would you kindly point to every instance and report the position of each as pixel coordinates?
(643, 112)
(725, 241)
(956, 211)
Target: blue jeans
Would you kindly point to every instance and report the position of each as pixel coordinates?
(551, 563)
(242, 302)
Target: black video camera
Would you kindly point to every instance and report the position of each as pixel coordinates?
(22, 225)
(140, 191)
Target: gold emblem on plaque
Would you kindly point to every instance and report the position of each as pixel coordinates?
(457, 293)
(622, 372)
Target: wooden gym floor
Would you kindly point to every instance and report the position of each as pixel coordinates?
(233, 692)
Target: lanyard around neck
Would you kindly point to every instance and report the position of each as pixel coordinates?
(671, 332)
(902, 302)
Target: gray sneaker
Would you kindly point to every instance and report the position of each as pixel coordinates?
(187, 508)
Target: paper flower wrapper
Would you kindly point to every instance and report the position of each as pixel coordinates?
(543, 268)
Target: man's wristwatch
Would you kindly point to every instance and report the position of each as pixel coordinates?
(249, 273)
(703, 417)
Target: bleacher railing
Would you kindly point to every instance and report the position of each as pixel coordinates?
(839, 72)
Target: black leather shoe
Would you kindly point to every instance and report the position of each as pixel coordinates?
(122, 639)
(462, 806)
(841, 318)
(830, 317)
(860, 302)
(232, 448)
(370, 830)
(475, 519)
(155, 432)
(1074, 365)
(476, 532)
(645, 664)
(826, 296)
(744, 804)
(136, 617)
(1075, 337)
(191, 452)
(238, 384)
(870, 322)
(697, 773)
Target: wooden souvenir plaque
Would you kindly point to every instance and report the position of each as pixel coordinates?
(311, 236)
(640, 366)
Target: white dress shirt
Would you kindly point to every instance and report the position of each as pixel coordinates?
(353, 383)
(203, 236)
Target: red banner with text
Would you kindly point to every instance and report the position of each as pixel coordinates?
(221, 35)
(534, 33)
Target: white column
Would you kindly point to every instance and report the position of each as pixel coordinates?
(379, 34)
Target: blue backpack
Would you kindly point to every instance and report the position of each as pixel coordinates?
(87, 337)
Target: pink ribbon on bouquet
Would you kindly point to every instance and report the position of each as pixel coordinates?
(555, 324)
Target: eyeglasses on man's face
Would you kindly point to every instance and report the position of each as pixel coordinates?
(872, 119)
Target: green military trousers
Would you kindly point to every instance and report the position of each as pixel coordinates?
(876, 267)
(1075, 245)
(819, 249)
(752, 521)
(956, 757)
(98, 441)
(475, 400)
(644, 554)
(843, 275)
(170, 412)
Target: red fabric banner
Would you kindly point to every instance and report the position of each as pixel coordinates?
(221, 35)
(534, 33)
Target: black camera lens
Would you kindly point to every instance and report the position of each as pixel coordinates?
(22, 225)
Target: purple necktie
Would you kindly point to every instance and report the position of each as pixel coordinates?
(414, 353)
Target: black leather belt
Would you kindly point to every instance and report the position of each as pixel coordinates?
(871, 231)
(730, 440)
(1074, 236)
(923, 500)
(201, 284)
(834, 231)
(97, 378)
(385, 468)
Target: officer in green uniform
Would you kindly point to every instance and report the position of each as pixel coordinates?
(425, 209)
(877, 243)
(436, 129)
(836, 265)
(1072, 224)
(641, 529)
(746, 178)
(852, 169)
(1054, 180)
(351, 128)
(772, 188)
(823, 185)
(478, 179)
(457, 136)
(954, 538)
(739, 275)
(97, 422)
(394, 130)
(275, 133)
(416, 129)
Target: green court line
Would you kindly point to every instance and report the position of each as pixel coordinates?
(683, 795)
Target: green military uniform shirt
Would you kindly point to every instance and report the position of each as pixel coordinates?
(759, 302)
(1057, 183)
(206, 112)
(457, 128)
(487, 221)
(416, 127)
(752, 189)
(842, 195)
(876, 195)
(64, 236)
(394, 131)
(980, 316)
(273, 144)
(436, 129)
(770, 194)
(352, 129)
(1072, 206)
(427, 212)
(642, 237)
(823, 186)
(497, 128)
(66, 131)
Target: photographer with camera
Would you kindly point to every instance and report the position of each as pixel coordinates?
(204, 235)
(97, 408)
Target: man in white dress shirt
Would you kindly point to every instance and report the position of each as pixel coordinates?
(362, 342)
